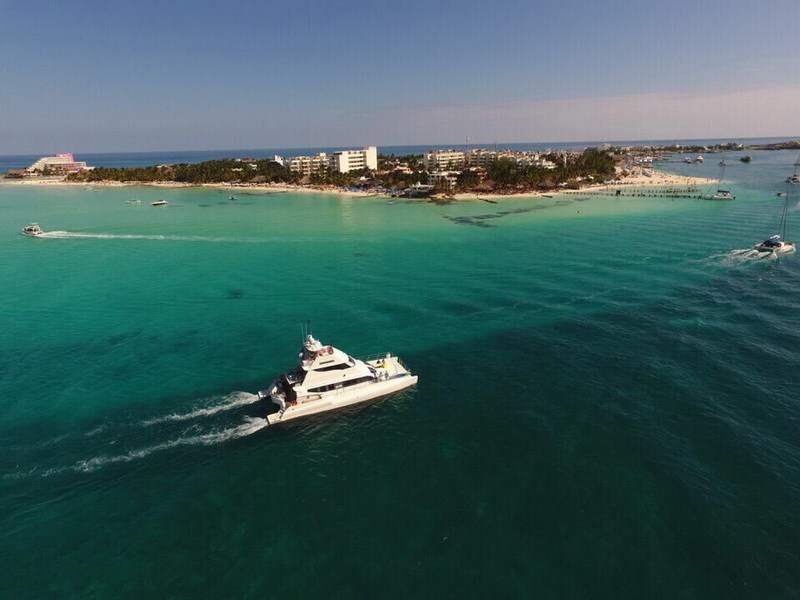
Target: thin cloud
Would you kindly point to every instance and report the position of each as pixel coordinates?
(742, 113)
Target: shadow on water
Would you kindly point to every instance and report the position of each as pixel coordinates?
(480, 220)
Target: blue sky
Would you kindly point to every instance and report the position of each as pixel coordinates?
(107, 76)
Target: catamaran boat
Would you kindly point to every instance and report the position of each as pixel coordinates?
(775, 245)
(795, 177)
(32, 230)
(328, 378)
(723, 195)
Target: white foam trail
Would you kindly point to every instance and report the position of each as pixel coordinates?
(230, 402)
(64, 235)
(742, 255)
(249, 427)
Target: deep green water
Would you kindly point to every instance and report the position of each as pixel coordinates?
(607, 404)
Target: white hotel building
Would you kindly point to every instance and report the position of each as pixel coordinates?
(64, 163)
(342, 161)
(444, 160)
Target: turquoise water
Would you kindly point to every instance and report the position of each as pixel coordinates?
(606, 408)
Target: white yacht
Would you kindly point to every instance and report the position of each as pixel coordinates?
(32, 230)
(328, 378)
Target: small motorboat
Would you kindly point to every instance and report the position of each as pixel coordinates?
(160, 203)
(32, 230)
(327, 379)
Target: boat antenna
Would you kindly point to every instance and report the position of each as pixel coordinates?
(785, 213)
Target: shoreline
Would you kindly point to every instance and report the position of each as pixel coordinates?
(638, 181)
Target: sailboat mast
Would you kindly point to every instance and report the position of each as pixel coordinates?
(784, 216)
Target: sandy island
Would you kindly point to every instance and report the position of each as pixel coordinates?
(636, 180)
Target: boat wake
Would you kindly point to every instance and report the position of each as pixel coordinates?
(250, 426)
(741, 256)
(74, 235)
(235, 400)
(210, 422)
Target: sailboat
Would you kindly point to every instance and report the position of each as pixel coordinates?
(795, 178)
(721, 194)
(775, 243)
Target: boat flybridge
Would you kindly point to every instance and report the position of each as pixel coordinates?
(32, 230)
(328, 378)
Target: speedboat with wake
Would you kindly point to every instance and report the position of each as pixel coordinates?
(32, 230)
(328, 378)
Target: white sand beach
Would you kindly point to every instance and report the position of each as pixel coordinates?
(635, 180)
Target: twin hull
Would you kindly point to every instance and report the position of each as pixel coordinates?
(332, 400)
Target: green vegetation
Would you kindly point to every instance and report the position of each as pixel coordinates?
(213, 171)
(504, 175)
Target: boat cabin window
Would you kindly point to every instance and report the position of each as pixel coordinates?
(339, 385)
(339, 367)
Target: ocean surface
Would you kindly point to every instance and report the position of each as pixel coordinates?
(607, 403)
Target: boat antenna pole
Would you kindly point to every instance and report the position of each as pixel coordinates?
(785, 215)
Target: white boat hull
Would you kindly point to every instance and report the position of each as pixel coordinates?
(342, 398)
(783, 248)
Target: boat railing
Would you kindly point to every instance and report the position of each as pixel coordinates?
(381, 356)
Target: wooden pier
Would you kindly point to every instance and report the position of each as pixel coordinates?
(690, 193)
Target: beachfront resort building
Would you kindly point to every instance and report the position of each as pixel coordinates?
(58, 164)
(446, 160)
(341, 161)
(439, 160)
(481, 157)
(444, 179)
(308, 164)
(345, 161)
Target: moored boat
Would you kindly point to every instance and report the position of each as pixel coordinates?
(160, 203)
(32, 230)
(794, 179)
(328, 378)
(721, 193)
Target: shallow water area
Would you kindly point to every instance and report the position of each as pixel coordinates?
(607, 386)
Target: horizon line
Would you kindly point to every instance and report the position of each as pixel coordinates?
(465, 142)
